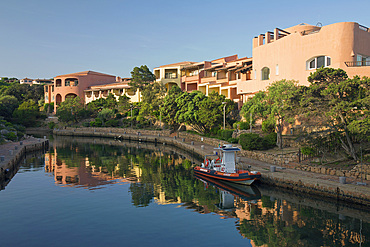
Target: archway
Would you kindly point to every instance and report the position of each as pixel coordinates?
(70, 96)
(58, 99)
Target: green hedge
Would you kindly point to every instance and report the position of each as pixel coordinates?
(251, 141)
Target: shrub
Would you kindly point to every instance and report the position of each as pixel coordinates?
(112, 123)
(308, 151)
(233, 140)
(242, 125)
(11, 136)
(252, 141)
(225, 134)
(86, 124)
(97, 123)
(51, 125)
(270, 140)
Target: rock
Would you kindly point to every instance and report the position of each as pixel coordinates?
(323, 170)
(4, 131)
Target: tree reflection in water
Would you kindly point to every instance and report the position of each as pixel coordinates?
(162, 176)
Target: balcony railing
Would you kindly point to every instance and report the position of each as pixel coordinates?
(357, 63)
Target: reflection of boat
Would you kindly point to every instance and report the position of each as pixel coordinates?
(246, 193)
(224, 167)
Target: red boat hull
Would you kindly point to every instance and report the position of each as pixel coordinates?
(241, 176)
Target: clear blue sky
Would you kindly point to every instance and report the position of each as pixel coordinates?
(46, 38)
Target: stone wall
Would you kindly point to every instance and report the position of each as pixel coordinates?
(288, 160)
(357, 172)
(120, 130)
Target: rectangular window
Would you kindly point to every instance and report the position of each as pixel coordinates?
(277, 69)
(214, 74)
(46, 89)
(328, 61)
(320, 62)
(313, 64)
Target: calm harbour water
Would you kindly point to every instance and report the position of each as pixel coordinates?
(86, 193)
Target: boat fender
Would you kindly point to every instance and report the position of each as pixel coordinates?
(206, 163)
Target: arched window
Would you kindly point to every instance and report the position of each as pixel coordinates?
(265, 73)
(58, 83)
(318, 62)
(71, 82)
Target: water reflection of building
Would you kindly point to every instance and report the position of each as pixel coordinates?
(271, 222)
(161, 197)
(82, 173)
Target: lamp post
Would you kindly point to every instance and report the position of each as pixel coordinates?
(224, 103)
(131, 115)
(160, 116)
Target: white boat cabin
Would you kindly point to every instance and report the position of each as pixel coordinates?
(225, 161)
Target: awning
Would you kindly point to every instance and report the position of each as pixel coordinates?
(245, 68)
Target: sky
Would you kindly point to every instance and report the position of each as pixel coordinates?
(47, 38)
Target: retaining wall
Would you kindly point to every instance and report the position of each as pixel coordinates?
(9, 166)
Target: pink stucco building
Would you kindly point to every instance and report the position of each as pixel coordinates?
(72, 85)
(293, 53)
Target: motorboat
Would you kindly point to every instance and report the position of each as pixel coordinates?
(224, 167)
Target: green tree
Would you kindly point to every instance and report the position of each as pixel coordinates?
(96, 106)
(105, 115)
(211, 111)
(123, 103)
(203, 113)
(188, 109)
(256, 107)
(170, 107)
(276, 105)
(24, 92)
(141, 77)
(27, 113)
(110, 102)
(71, 110)
(280, 97)
(340, 103)
(8, 104)
(152, 96)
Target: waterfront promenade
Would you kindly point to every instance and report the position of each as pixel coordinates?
(11, 154)
(315, 184)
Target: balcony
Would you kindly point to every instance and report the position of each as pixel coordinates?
(207, 79)
(193, 78)
(357, 63)
(222, 80)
